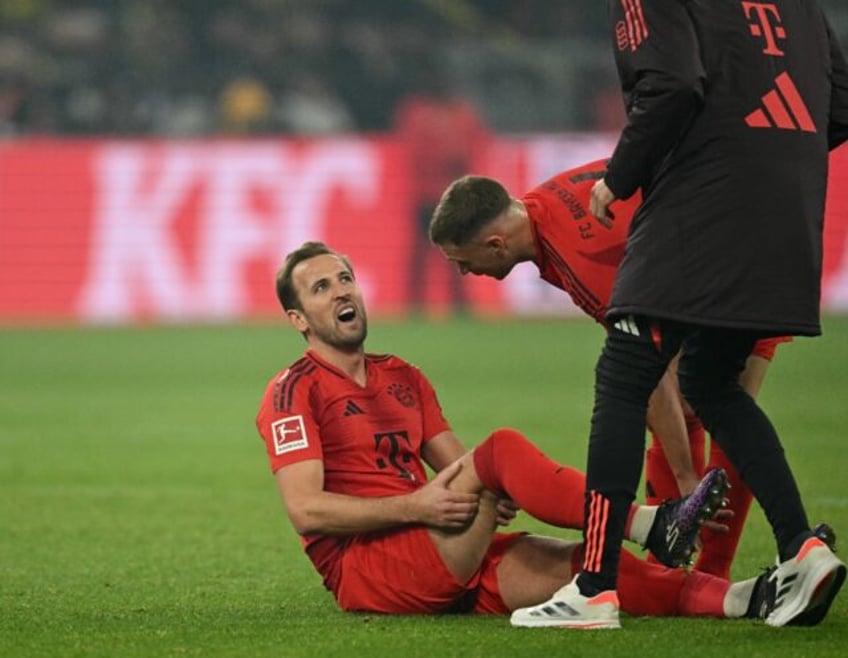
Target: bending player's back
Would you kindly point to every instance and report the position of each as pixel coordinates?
(575, 251)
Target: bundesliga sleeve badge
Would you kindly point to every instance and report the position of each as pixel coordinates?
(289, 434)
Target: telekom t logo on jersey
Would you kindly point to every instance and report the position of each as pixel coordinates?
(765, 23)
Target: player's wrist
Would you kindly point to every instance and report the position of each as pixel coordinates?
(409, 508)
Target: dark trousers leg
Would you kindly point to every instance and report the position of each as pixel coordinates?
(635, 356)
(709, 379)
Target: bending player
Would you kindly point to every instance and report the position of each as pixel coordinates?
(484, 231)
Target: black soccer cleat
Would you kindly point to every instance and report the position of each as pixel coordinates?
(763, 595)
(675, 529)
(824, 532)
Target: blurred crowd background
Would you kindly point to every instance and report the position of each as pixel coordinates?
(202, 67)
(111, 227)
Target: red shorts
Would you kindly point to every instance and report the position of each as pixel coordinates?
(765, 347)
(401, 572)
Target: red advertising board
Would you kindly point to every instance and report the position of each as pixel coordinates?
(128, 231)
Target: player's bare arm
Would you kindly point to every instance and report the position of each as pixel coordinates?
(666, 419)
(442, 450)
(312, 510)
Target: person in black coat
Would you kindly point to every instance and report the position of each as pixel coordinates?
(732, 108)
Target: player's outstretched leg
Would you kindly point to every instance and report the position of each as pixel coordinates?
(675, 529)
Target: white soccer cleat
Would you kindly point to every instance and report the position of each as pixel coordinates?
(805, 585)
(568, 608)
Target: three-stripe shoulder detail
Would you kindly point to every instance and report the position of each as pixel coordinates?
(285, 385)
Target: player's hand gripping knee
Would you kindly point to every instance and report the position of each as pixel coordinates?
(441, 507)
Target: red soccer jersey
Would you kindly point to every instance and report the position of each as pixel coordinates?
(368, 438)
(574, 251)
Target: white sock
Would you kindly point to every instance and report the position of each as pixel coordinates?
(641, 524)
(738, 598)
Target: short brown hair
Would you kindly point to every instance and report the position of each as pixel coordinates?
(468, 205)
(285, 287)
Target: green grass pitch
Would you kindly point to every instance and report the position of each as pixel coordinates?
(138, 516)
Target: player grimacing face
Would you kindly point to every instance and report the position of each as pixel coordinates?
(333, 310)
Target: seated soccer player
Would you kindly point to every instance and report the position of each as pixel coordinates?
(348, 435)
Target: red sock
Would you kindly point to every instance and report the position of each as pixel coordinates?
(657, 591)
(648, 589)
(508, 464)
(720, 548)
(697, 442)
(660, 483)
(702, 595)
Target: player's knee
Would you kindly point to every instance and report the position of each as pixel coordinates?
(707, 394)
(697, 390)
(496, 447)
(506, 436)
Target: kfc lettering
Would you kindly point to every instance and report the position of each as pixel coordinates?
(127, 231)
